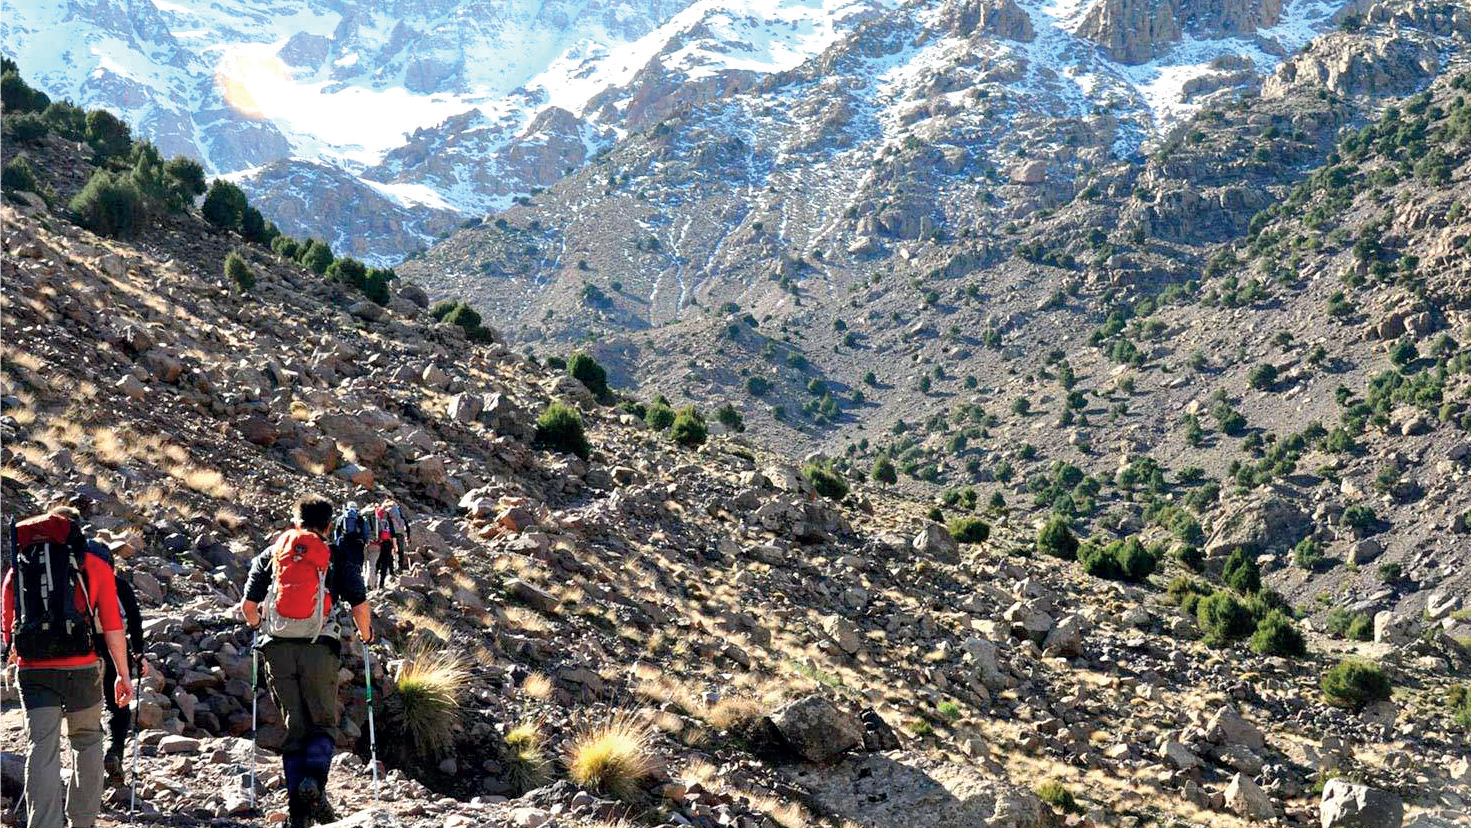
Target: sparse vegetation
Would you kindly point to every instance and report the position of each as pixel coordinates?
(238, 272)
(559, 428)
(828, 482)
(969, 530)
(688, 428)
(1355, 684)
(612, 756)
(429, 689)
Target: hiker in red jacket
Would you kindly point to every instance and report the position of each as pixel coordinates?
(291, 597)
(57, 594)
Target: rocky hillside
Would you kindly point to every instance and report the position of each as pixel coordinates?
(981, 328)
(767, 645)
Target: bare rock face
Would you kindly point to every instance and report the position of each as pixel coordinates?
(1131, 31)
(997, 18)
(1349, 805)
(816, 729)
(1351, 66)
(1260, 523)
(902, 790)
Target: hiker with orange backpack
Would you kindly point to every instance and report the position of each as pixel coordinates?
(290, 599)
(57, 594)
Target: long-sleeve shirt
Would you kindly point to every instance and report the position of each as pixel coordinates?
(101, 589)
(344, 581)
(128, 603)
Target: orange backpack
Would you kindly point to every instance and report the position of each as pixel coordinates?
(298, 603)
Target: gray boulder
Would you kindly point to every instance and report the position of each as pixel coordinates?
(1350, 805)
(816, 729)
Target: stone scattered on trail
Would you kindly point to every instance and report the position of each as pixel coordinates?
(1350, 805)
(1247, 799)
(816, 729)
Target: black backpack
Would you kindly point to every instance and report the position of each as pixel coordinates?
(47, 555)
(351, 528)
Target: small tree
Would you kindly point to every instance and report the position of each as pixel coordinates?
(110, 204)
(1224, 619)
(1263, 376)
(560, 428)
(1355, 684)
(20, 176)
(728, 416)
(317, 257)
(27, 126)
(1308, 554)
(109, 137)
(18, 96)
(883, 471)
(1277, 635)
(689, 428)
(828, 482)
(1056, 538)
(586, 370)
(659, 417)
(224, 205)
(238, 272)
(969, 530)
(1241, 572)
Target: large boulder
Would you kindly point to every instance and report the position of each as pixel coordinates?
(816, 729)
(1260, 524)
(1351, 805)
(934, 540)
(904, 790)
(1228, 727)
(1247, 799)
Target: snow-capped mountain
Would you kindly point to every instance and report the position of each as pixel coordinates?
(381, 124)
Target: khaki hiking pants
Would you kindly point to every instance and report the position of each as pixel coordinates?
(48, 696)
(303, 680)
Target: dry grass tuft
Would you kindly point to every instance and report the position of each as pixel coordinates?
(528, 765)
(431, 683)
(613, 756)
(537, 686)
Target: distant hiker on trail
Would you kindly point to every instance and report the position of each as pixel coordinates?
(402, 532)
(350, 536)
(119, 716)
(290, 597)
(389, 542)
(57, 595)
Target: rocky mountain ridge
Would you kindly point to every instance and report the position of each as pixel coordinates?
(789, 651)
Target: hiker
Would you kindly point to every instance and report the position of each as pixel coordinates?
(119, 716)
(291, 597)
(388, 541)
(350, 536)
(57, 595)
(402, 532)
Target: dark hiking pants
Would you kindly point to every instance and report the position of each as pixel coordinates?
(49, 696)
(302, 677)
(119, 719)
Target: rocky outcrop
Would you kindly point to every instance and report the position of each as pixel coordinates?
(903, 790)
(815, 729)
(1132, 31)
(1347, 804)
(995, 18)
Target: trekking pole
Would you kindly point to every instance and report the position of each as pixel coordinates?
(254, 694)
(133, 777)
(372, 732)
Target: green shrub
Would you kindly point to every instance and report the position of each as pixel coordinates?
(689, 428)
(1354, 684)
(27, 126)
(1277, 635)
(757, 386)
(1056, 538)
(375, 284)
(348, 271)
(1308, 554)
(1125, 560)
(1182, 587)
(560, 428)
(185, 177)
(825, 480)
(224, 205)
(728, 416)
(884, 471)
(660, 416)
(20, 176)
(1224, 619)
(67, 120)
(238, 272)
(969, 530)
(18, 96)
(586, 370)
(442, 308)
(635, 408)
(1191, 558)
(316, 256)
(1360, 517)
(1262, 377)
(110, 138)
(1241, 572)
(109, 205)
(1059, 797)
(1458, 699)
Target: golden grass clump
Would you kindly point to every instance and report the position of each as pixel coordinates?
(613, 756)
(431, 684)
(537, 686)
(526, 757)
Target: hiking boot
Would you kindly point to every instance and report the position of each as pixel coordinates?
(296, 816)
(112, 764)
(312, 803)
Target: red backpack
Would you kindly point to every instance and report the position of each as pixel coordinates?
(48, 556)
(298, 604)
